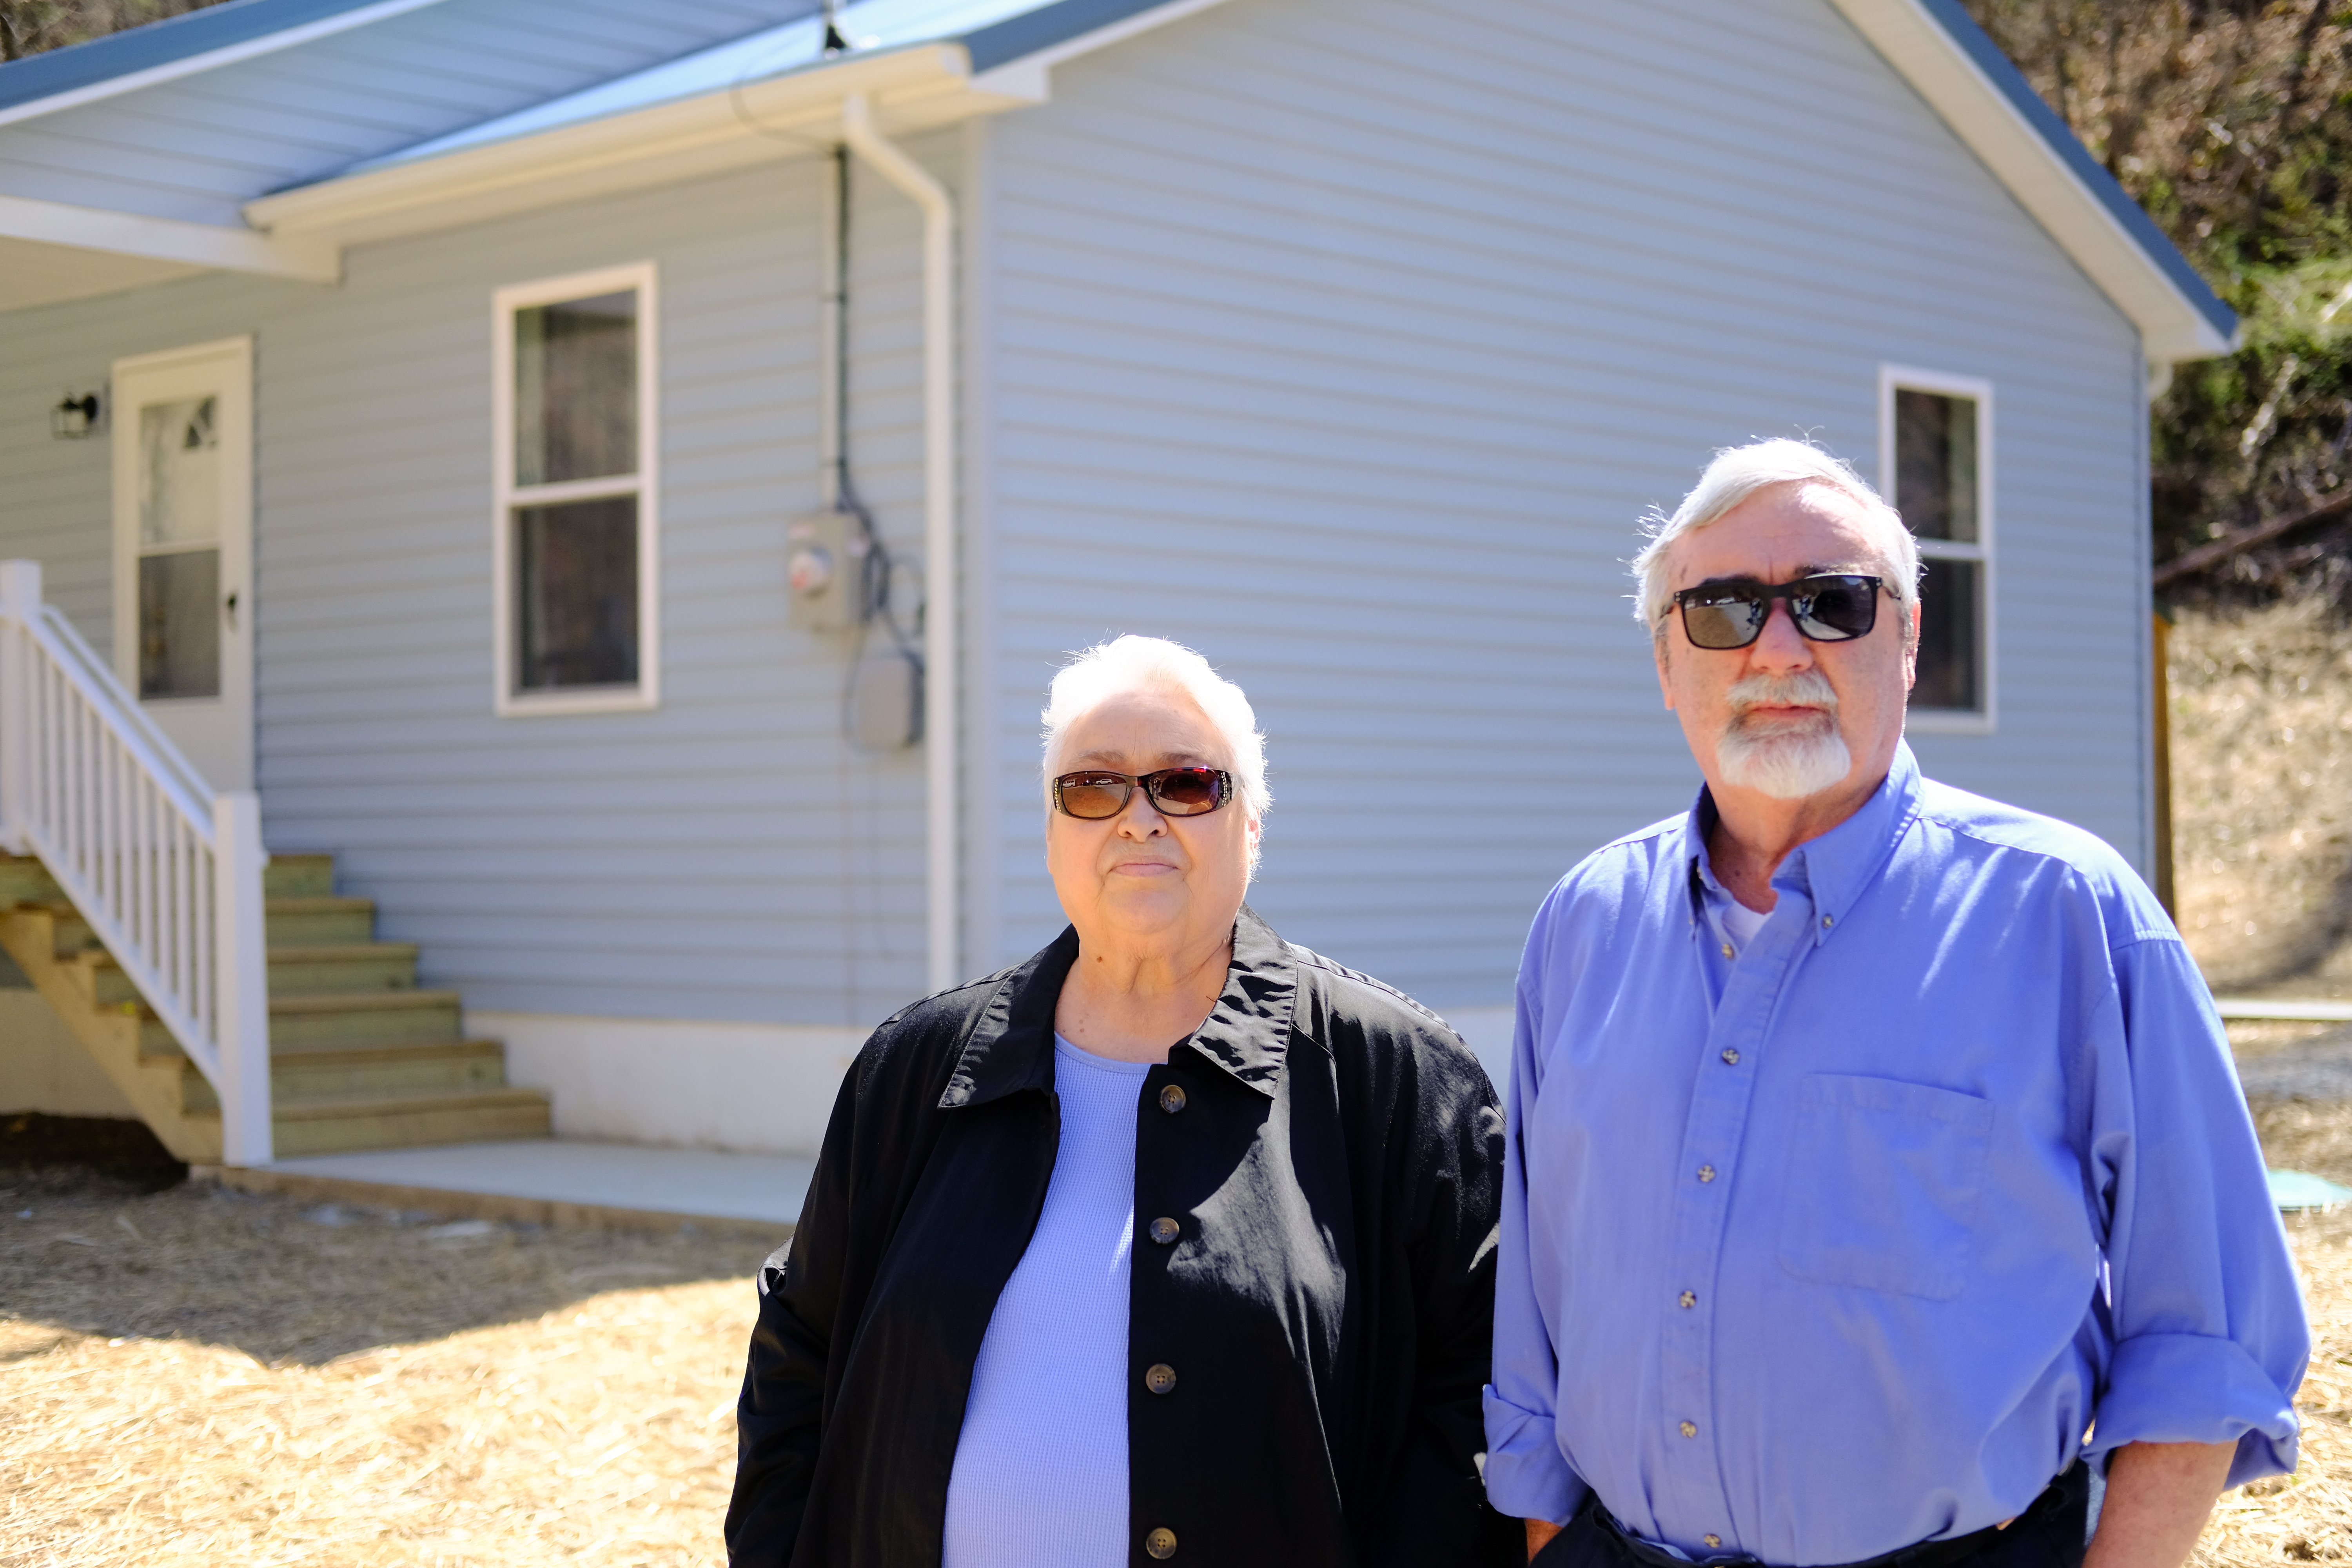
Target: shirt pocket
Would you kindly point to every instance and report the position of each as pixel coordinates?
(1884, 1184)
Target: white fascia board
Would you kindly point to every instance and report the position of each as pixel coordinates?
(168, 239)
(1031, 77)
(210, 59)
(912, 89)
(1927, 56)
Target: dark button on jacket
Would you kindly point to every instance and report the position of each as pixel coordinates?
(1336, 1170)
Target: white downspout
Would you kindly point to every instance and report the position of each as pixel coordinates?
(941, 674)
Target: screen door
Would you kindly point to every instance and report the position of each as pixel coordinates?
(184, 549)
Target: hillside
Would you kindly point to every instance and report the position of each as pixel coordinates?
(2261, 748)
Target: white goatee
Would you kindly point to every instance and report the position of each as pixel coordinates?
(1786, 759)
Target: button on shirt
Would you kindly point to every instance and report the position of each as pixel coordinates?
(1838, 1241)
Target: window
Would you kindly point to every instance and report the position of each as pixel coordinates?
(1935, 465)
(178, 549)
(577, 611)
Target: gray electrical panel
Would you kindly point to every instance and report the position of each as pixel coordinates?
(886, 700)
(825, 567)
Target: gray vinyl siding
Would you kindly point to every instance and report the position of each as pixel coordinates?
(1343, 339)
(724, 857)
(1346, 341)
(200, 147)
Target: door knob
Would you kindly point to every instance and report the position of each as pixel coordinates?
(231, 607)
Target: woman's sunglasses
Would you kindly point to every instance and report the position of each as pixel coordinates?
(1836, 606)
(1175, 792)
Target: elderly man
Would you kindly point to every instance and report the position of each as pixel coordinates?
(1876, 1170)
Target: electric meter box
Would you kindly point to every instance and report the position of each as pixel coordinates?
(886, 704)
(825, 564)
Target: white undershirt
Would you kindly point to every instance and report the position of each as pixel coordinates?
(1040, 1477)
(1742, 921)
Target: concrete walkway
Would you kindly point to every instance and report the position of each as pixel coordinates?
(2287, 1011)
(551, 1182)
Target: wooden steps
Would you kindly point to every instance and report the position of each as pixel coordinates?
(361, 1057)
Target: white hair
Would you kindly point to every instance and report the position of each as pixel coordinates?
(1125, 664)
(1739, 472)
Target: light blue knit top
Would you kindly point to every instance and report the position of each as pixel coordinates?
(1040, 1478)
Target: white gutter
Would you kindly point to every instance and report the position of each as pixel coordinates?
(940, 673)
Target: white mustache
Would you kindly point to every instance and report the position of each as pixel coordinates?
(1806, 689)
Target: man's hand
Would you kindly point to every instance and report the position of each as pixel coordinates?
(1540, 1533)
(2159, 1495)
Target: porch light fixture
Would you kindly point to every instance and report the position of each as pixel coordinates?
(73, 417)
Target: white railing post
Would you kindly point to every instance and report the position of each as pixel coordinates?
(20, 606)
(242, 993)
(166, 872)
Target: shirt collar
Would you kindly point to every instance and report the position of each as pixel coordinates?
(1833, 870)
(1247, 1033)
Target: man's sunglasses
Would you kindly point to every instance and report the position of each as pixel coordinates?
(1836, 606)
(1176, 792)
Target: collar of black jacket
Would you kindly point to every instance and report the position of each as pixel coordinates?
(1246, 1033)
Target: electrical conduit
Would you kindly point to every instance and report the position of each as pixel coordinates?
(940, 673)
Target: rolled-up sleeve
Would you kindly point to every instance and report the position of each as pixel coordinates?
(1527, 1476)
(2208, 1334)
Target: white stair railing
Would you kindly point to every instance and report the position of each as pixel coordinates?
(166, 870)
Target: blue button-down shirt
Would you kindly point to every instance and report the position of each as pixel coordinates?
(1841, 1241)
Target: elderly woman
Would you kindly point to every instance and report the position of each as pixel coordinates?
(1174, 1242)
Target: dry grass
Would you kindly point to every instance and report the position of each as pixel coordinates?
(2261, 797)
(2307, 1517)
(2262, 759)
(227, 1384)
(364, 1392)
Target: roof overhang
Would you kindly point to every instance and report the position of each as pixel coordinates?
(912, 89)
(630, 135)
(52, 251)
(183, 46)
(1966, 80)
(674, 122)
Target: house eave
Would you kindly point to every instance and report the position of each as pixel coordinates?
(2121, 251)
(915, 88)
(174, 48)
(61, 230)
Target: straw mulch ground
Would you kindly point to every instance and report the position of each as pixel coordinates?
(2306, 1517)
(195, 1376)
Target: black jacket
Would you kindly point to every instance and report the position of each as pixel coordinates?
(1331, 1155)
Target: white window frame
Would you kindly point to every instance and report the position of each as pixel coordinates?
(1953, 720)
(644, 484)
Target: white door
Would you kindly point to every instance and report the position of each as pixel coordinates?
(184, 549)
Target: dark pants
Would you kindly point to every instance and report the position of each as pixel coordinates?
(2049, 1534)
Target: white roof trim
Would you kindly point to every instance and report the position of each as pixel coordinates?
(210, 59)
(168, 239)
(926, 85)
(1925, 53)
(795, 115)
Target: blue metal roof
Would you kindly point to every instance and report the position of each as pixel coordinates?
(163, 43)
(2004, 75)
(992, 31)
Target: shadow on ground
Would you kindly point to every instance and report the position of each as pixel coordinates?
(289, 1282)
